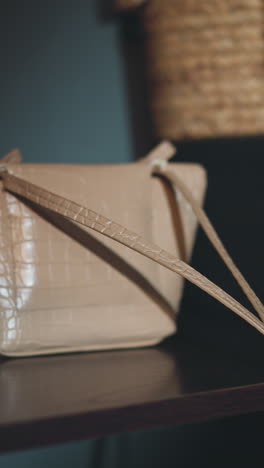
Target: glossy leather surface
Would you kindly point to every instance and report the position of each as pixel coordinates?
(64, 288)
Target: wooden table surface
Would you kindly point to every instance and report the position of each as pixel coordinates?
(56, 399)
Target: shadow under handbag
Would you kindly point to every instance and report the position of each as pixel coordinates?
(72, 279)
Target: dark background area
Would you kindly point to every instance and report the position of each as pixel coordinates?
(234, 204)
(73, 89)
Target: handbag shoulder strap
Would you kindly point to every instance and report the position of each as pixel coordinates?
(107, 227)
(163, 170)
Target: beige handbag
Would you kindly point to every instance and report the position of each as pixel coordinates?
(66, 287)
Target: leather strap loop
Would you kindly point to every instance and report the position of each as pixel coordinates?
(13, 157)
(86, 217)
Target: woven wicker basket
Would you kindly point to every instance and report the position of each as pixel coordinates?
(205, 61)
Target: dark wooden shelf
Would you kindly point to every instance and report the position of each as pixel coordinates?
(62, 398)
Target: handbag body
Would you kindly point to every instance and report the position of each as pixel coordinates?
(66, 289)
(66, 286)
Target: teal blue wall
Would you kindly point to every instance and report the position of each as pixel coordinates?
(77, 455)
(63, 92)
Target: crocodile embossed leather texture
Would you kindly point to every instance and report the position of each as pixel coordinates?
(66, 288)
